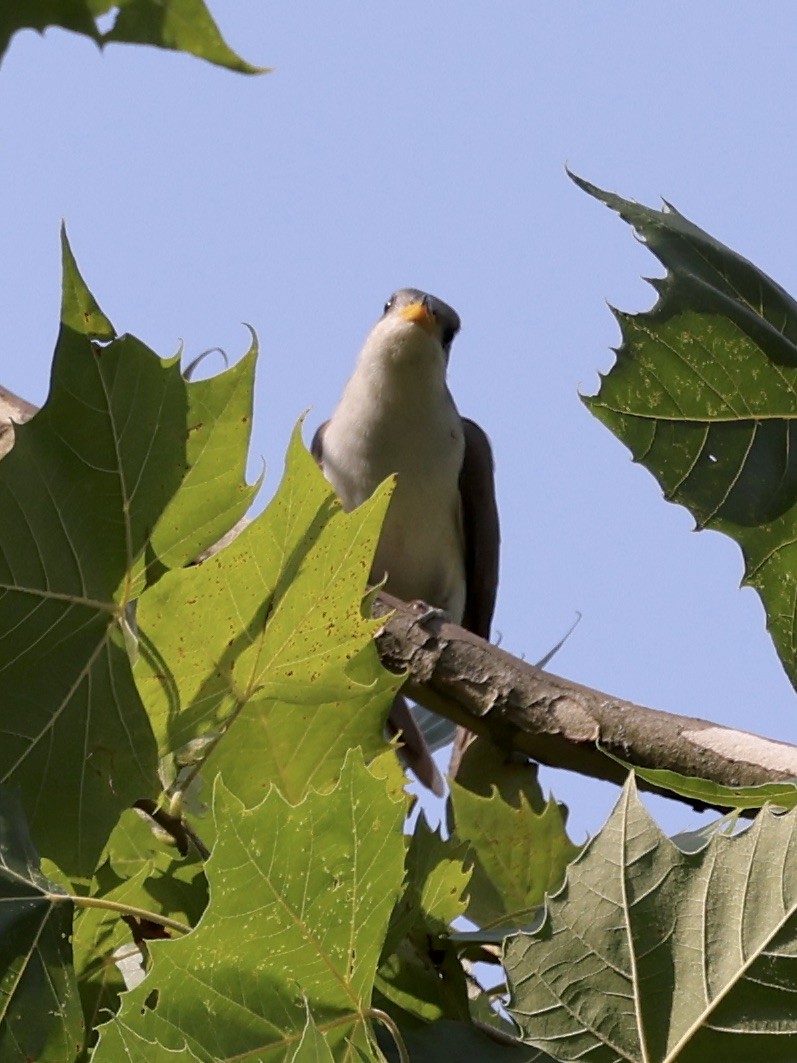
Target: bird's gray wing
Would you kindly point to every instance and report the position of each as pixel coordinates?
(481, 531)
(317, 446)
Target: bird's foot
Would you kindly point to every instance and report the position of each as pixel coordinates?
(426, 612)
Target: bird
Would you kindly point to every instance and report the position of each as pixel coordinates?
(440, 539)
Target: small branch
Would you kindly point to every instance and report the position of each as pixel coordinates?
(560, 723)
(182, 833)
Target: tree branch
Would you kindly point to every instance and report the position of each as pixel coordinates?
(13, 410)
(560, 723)
(533, 712)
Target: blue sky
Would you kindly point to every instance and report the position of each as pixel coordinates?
(424, 145)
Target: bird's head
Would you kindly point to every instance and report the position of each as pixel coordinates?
(416, 324)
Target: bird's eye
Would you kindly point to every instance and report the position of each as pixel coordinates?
(447, 336)
(389, 304)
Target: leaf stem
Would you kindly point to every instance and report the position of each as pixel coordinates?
(387, 1020)
(127, 909)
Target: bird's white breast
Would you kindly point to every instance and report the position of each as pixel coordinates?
(397, 416)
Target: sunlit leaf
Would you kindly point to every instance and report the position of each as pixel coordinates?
(281, 934)
(313, 1047)
(263, 649)
(219, 419)
(181, 25)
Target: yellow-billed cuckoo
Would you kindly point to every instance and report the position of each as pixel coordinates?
(439, 542)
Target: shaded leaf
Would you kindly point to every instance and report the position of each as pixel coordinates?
(436, 881)
(264, 649)
(39, 14)
(652, 954)
(307, 932)
(179, 25)
(438, 1042)
(703, 394)
(420, 970)
(691, 841)
(40, 1015)
(87, 479)
(485, 767)
(140, 872)
(518, 855)
(706, 276)
(139, 1049)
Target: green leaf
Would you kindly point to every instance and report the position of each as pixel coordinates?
(436, 877)
(140, 872)
(80, 311)
(179, 25)
(139, 1049)
(650, 954)
(706, 276)
(280, 672)
(40, 1015)
(518, 855)
(86, 481)
(313, 1047)
(444, 1040)
(214, 494)
(282, 933)
(782, 794)
(38, 14)
(420, 971)
(702, 393)
(485, 768)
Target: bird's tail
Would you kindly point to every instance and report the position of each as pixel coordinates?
(414, 751)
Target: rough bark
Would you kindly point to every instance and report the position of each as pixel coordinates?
(557, 722)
